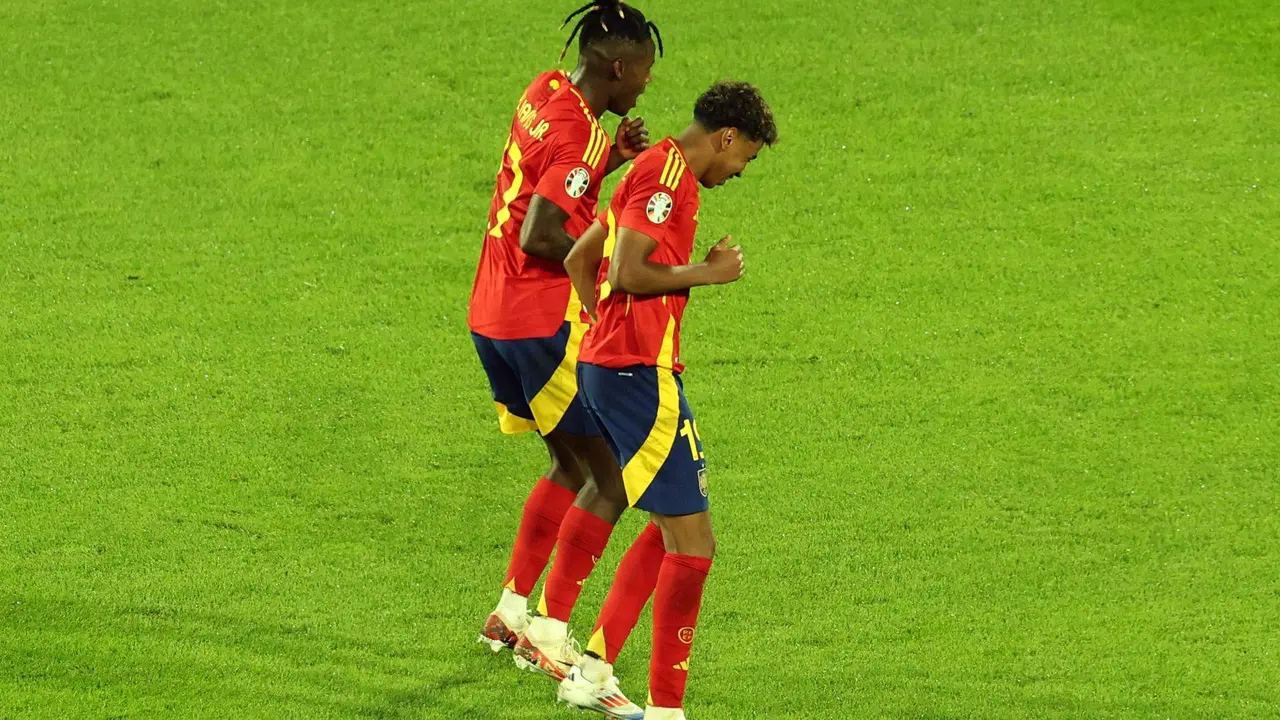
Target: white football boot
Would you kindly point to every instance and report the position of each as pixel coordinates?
(657, 713)
(507, 622)
(548, 648)
(590, 685)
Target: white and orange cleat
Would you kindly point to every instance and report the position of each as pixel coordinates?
(548, 648)
(590, 685)
(507, 622)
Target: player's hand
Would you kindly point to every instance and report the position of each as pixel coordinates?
(632, 138)
(725, 261)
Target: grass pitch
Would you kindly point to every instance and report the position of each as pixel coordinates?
(992, 423)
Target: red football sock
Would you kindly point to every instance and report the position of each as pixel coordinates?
(634, 583)
(536, 537)
(676, 602)
(579, 545)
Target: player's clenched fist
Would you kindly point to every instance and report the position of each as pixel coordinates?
(632, 138)
(726, 262)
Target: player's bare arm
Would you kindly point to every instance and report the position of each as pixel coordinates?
(631, 271)
(583, 264)
(543, 234)
(631, 140)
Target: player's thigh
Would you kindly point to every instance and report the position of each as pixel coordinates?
(566, 467)
(545, 367)
(514, 414)
(597, 458)
(641, 411)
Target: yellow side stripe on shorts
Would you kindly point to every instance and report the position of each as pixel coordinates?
(512, 424)
(553, 400)
(643, 467)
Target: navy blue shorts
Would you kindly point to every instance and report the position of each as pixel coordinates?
(643, 415)
(534, 382)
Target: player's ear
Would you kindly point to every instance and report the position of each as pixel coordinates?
(728, 135)
(619, 69)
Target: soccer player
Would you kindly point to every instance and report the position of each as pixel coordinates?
(525, 317)
(633, 270)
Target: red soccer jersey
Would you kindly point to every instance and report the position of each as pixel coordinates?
(659, 198)
(557, 150)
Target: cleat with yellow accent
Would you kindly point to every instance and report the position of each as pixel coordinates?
(507, 622)
(590, 685)
(547, 648)
(657, 713)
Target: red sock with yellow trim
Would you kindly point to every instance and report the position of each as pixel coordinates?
(632, 586)
(579, 545)
(676, 602)
(536, 538)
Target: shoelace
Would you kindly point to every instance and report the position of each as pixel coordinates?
(572, 649)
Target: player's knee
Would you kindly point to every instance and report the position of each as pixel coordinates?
(590, 492)
(565, 475)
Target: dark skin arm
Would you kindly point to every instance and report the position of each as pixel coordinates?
(631, 271)
(583, 264)
(542, 234)
(631, 140)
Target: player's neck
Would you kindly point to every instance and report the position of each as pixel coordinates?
(597, 97)
(695, 144)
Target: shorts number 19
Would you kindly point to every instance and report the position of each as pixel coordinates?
(690, 431)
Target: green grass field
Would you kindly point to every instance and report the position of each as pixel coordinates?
(993, 423)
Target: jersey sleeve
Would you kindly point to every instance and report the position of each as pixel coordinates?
(577, 163)
(650, 202)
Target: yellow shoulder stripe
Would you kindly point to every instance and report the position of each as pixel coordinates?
(674, 169)
(595, 146)
(591, 146)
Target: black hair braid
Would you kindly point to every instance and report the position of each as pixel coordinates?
(609, 20)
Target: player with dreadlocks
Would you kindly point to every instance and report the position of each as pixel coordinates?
(633, 270)
(526, 320)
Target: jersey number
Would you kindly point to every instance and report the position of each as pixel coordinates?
(690, 431)
(517, 179)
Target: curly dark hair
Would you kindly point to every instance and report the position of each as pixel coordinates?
(738, 105)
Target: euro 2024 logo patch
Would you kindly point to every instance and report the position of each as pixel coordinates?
(659, 208)
(577, 181)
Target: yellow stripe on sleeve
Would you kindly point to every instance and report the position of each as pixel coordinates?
(662, 179)
(591, 147)
(677, 173)
(604, 144)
